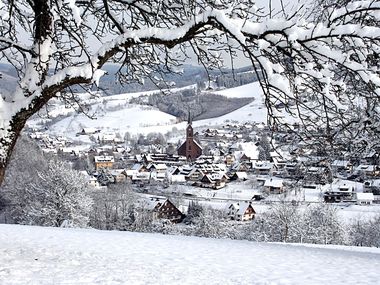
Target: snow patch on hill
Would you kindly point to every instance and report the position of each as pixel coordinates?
(35, 255)
(251, 90)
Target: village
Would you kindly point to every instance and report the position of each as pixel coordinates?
(236, 167)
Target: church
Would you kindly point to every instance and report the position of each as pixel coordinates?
(190, 148)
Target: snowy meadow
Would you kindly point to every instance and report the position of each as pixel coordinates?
(35, 255)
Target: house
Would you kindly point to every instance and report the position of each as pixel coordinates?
(340, 191)
(291, 168)
(138, 167)
(341, 166)
(89, 131)
(372, 186)
(106, 138)
(241, 166)
(119, 175)
(195, 174)
(91, 180)
(274, 185)
(239, 176)
(103, 162)
(141, 177)
(241, 211)
(262, 167)
(214, 180)
(364, 198)
(105, 178)
(316, 174)
(229, 159)
(158, 176)
(367, 170)
(372, 157)
(163, 208)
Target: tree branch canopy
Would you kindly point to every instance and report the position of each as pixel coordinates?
(314, 62)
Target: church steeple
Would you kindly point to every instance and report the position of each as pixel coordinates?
(189, 132)
(190, 148)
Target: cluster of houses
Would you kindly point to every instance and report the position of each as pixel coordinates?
(213, 158)
(162, 208)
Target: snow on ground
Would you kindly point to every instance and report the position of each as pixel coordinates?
(132, 118)
(35, 255)
(244, 91)
(253, 112)
(352, 213)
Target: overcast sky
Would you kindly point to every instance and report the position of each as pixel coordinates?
(290, 5)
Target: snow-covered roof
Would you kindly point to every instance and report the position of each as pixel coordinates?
(178, 178)
(341, 163)
(90, 130)
(339, 185)
(364, 196)
(240, 207)
(104, 158)
(262, 165)
(241, 174)
(161, 166)
(366, 167)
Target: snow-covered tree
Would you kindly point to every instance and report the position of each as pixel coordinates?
(281, 222)
(364, 232)
(314, 62)
(114, 209)
(208, 223)
(45, 192)
(322, 225)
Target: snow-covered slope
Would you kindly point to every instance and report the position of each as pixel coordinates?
(35, 255)
(132, 118)
(245, 91)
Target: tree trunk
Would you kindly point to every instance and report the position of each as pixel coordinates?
(13, 127)
(2, 173)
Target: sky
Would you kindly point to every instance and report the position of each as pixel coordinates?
(290, 5)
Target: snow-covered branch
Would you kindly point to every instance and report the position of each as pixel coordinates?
(312, 65)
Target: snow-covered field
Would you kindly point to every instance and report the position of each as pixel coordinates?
(132, 118)
(245, 91)
(35, 255)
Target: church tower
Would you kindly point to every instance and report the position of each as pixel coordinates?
(190, 148)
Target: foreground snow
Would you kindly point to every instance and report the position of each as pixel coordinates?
(35, 255)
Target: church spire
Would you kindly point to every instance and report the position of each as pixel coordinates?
(189, 118)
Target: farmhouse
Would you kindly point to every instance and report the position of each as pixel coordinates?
(163, 208)
(103, 162)
(274, 186)
(340, 191)
(364, 198)
(241, 211)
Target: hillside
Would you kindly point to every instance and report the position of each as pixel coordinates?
(36, 255)
(116, 113)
